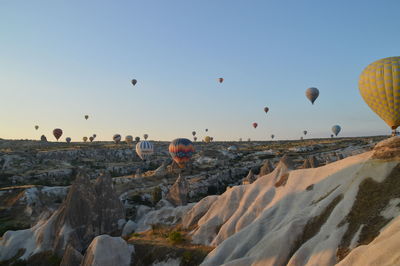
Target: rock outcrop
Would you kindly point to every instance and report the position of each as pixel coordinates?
(250, 178)
(266, 168)
(178, 193)
(89, 210)
(310, 162)
(108, 251)
(71, 257)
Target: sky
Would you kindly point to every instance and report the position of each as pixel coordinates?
(60, 60)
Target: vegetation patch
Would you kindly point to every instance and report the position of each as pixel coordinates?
(371, 200)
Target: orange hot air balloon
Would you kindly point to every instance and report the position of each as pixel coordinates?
(255, 125)
(181, 150)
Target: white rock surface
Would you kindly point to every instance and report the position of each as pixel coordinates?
(108, 251)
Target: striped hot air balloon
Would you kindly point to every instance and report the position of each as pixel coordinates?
(144, 149)
(379, 86)
(57, 133)
(117, 138)
(181, 150)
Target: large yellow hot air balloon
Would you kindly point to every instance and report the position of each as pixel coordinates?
(379, 86)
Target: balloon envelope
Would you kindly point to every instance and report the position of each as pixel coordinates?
(36, 127)
(137, 139)
(305, 132)
(255, 125)
(336, 129)
(221, 80)
(272, 136)
(86, 117)
(68, 139)
(312, 94)
(181, 150)
(91, 139)
(129, 139)
(144, 149)
(194, 133)
(266, 109)
(379, 85)
(133, 81)
(207, 139)
(145, 136)
(117, 138)
(57, 133)
(84, 139)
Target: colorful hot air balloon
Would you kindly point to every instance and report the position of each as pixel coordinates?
(207, 139)
(305, 132)
(117, 138)
(137, 139)
(272, 136)
(266, 109)
(84, 139)
(312, 94)
(144, 149)
(194, 133)
(221, 80)
(133, 81)
(255, 125)
(181, 150)
(336, 129)
(91, 139)
(68, 139)
(145, 136)
(129, 139)
(36, 127)
(86, 117)
(379, 86)
(57, 133)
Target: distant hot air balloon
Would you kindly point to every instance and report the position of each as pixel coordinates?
(86, 117)
(266, 109)
(336, 129)
(145, 136)
(144, 149)
(181, 150)
(379, 86)
(57, 133)
(84, 139)
(331, 135)
(272, 136)
(91, 139)
(248, 139)
(240, 139)
(94, 135)
(195, 138)
(312, 94)
(255, 125)
(117, 138)
(194, 133)
(206, 129)
(68, 139)
(211, 138)
(133, 81)
(137, 139)
(129, 139)
(221, 80)
(207, 139)
(43, 138)
(305, 132)
(36, 127)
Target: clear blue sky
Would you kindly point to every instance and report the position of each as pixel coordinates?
(60, 60)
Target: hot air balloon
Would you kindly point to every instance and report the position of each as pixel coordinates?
(221, 80)
(94, 135)
(240, 139)
(312, 94)
(206, 129)
(272, 136)
(336, 129)
(36, 127)
(331, 135)
(194, 133)
(117, 138)
(255, 125)
(195, 138)
(211, 138)
(133, 81)
(248, 139)
(181, 150)
(379, 86)
(137, 139)
(266, 109)
(68, 139)
(91, 139)
(86, 117)
(305, 132)
(145, 136)
(129, 139)
(144, 149)
(84, 139)
(43, 138)
(57, 133)
(207, 139)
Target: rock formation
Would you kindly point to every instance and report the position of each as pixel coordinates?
(71, 257)
(266, 168)
(178, 193)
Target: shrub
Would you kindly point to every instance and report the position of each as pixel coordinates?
(175, 237)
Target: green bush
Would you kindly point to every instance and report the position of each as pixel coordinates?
(175, 237)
